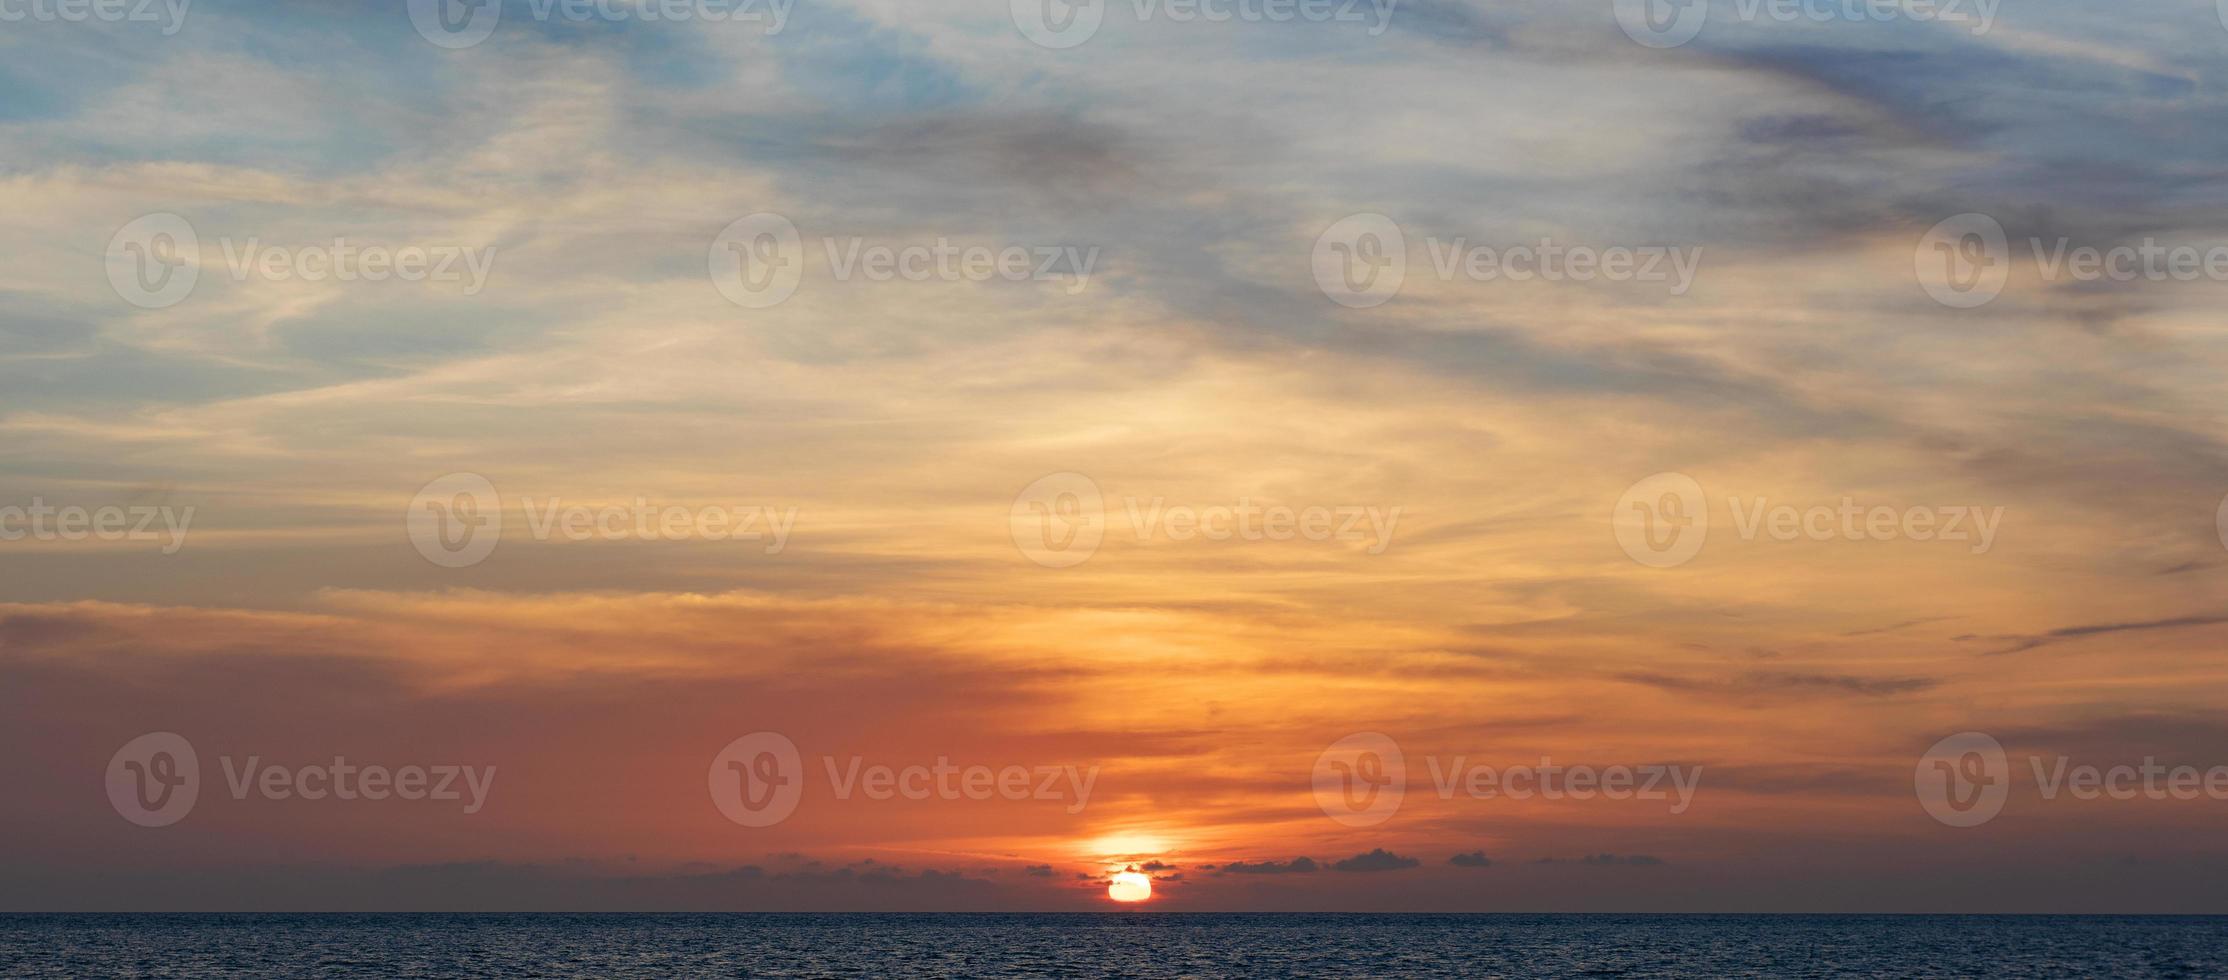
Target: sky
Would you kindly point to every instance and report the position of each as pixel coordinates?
(866, 455)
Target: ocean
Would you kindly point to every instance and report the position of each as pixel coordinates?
(1134, 944)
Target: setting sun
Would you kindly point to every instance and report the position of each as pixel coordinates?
(1130, 886)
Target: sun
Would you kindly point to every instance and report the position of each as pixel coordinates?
(1130, 886)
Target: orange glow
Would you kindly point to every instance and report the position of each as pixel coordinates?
(1126, 844)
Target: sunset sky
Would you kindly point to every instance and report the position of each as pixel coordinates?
(970, 498)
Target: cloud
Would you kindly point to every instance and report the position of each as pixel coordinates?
(2173, 738)
(2021, 644)
(1897, 627)
(1377, 859)
(1474, 859)
(1300, 865)
(1766, 682)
